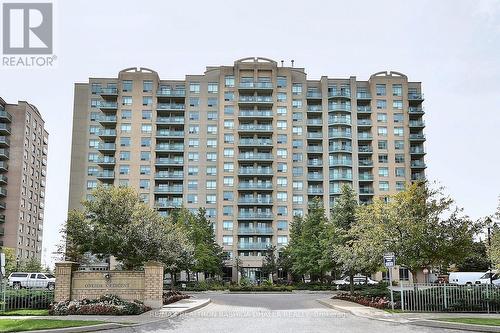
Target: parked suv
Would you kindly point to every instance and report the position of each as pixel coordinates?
(18, 280)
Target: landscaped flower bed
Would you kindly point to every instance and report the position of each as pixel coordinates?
(171, 296)
(104, 305)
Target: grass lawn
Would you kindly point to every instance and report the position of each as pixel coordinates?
(26, 312)
(475, 321)
(17, 325)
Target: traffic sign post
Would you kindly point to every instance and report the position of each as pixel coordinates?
(390, 262)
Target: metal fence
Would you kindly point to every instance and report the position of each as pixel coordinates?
(34, 296)
(427, 297)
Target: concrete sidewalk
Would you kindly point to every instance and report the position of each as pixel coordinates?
(412, 318)
(166, 312)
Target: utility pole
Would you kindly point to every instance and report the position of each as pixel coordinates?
(488, 221)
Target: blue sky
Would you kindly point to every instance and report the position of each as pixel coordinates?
(452, 47)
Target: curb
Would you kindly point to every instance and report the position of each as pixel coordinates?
(341, 309)
(89, 328)
(458, 326)
(194, 308)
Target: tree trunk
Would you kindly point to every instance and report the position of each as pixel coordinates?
(189, 276)
(414, 276)
(172, 280)
(351, 283)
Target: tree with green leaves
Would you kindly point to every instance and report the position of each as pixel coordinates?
(476, 260)
(10, 260)
(270, 263)
(31, 265)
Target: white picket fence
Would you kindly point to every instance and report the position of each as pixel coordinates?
(427, 297)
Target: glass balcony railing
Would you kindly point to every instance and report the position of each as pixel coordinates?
(4, 166)
(365, 163)
(106, 174)
(255, 171)
(340, 162)
(106, 160)
(5, 116)
(313, 122)
(257, 186)
(339, 120)
(254, 246)
(4, 153)
(365, 177)
(169, 147)
(4, 141)
(170, 120)
(256, 99)
(339, 107)
(255, 215)
(256, 142)
(257, 128)
(416, 110)
(417, 123)
(366, 190)
(417, 150)
(415, 96)
(106, 146)
(168, 189)
(341, 176)
(315, 135)
(314, 95)
(315, 149)
(107, 119)
(315, 190)
(108, 105)
(417, 136)
(107, 133)
(339, 93)
(339, 148)
(170, 106)
(255, 231)
(168, 161)
(364, 136)
(168, 204)
(256, 85)
(315, 176)
(171, 93)
(314, 163)
(169, 175)
(167, 133)
(363, 95)
(253, 200)
(255, 113)
(417, 164)
(3, 191)
(364, 109)
(364, 122)
(314, 108)
(255, 156)
(365, 149)
(339, 134)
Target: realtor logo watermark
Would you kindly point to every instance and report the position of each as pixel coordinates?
(28, 35)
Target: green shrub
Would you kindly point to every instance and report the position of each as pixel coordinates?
(104, 305)
(251, 288)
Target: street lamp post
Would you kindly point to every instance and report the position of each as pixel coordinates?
(488, 221)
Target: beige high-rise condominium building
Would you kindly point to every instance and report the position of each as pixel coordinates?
(23, 168)
(253, 143)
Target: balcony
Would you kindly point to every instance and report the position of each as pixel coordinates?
(418, 164)
(339, 94)
(366, 191)
(4, 154)
(5, 116)
(166, 204)
(255, 231)
(255, 186)
(363, 96)
(340, 149)
(170, 93)
(341, 176)
(314, 108)
(255, 157)
(364, 136)
(315, 191)
(339, 120)
(364, 109)
(4, 129)
(417, 177)
(255, 86)
(255, 142)
(106, 160)
(365, 177)
(417, 150)
(108, 106)
(339, 107)
(4, 166)
(255, 215)
(170, 106)
(417, 123)
(340, 162)
(106, 147)
(254, 246)
(314, 163)
(169, 175)
(3, 180)
(417, 137)
(103, 175)
(315, 122)
(255, 201)
(365, 149)
(365, 163)
(255, 128)
(170, 120)
(169, 134)
(314, 149)
(4, 141)
(364, 123)
(3, 205)
(107, 120)
(256, 100)
(2, 218)
(416, 110)
(255, 171)
(315, 177)
(415, 97)
(108, 92)
(165, 147)
(175, 189)
(315, 135)
(107, 133)
(340, 134)
(164, 161)
(255, 114)
(314, 95)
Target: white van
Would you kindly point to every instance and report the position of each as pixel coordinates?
(463, 278)
(485, 279)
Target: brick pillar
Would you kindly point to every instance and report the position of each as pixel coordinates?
(64, 271)
(153, 284)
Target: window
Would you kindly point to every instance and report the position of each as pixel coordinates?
(228, 152)
(126, 114)
(400, 186)
(211, 171)
(381, 104)
(404, 274)
(213, 87)
(400, 172)
(92, 171)
(124, 169)
(124, 156)
(228, 138)
(382, 131)
(382, 158)
(383, 172)
(147, 114)
(144, 184)
(212, 143)
(282, 138)
(194, 115)
(211, 185)
(282, 240)
(228, 96)
(399, 144)
(127, 100)
(297, 116)
(194, 101)
(125, 128)
(382, 144)
(228, 181)
(145, 156)
(212, 102)
(380, 88)
(298, 199)
(282, 167)
(229, 81)
(382, 117)
(93, 143)
(228, 110)
(297, 171)
(297, 130)
(124, 141)
(281, 124)
(297, 88)
(92, 157)
(227, 196)
(227, 225)
(212, 115)
(194, 129)
(145, 142)
(281, 182)
(91, 184)
(281, 81)
(193, 171)
(398, 117)
(227, 240)
(282, 211)
(228, 167)
(146, 128)
(211, 129)
(281, 196)
(398, 131)
(399, 158)
(193, 157)
(281, 110)
(398, 104)
(298, 185)
(192, 185)
(211, 157)
(297, 104)
(147, 100)
(282, 153)
(228, 124)
(397, 90)
(383, 186)
(281, 97)
(147, 86)
(192, 198)
(282, 225)
(126, 85)
(194, 143)
(145, 170)
(194, 87)
(227, 210)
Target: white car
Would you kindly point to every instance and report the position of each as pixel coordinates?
(18, 280)
(358, 279)
(485, 279)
